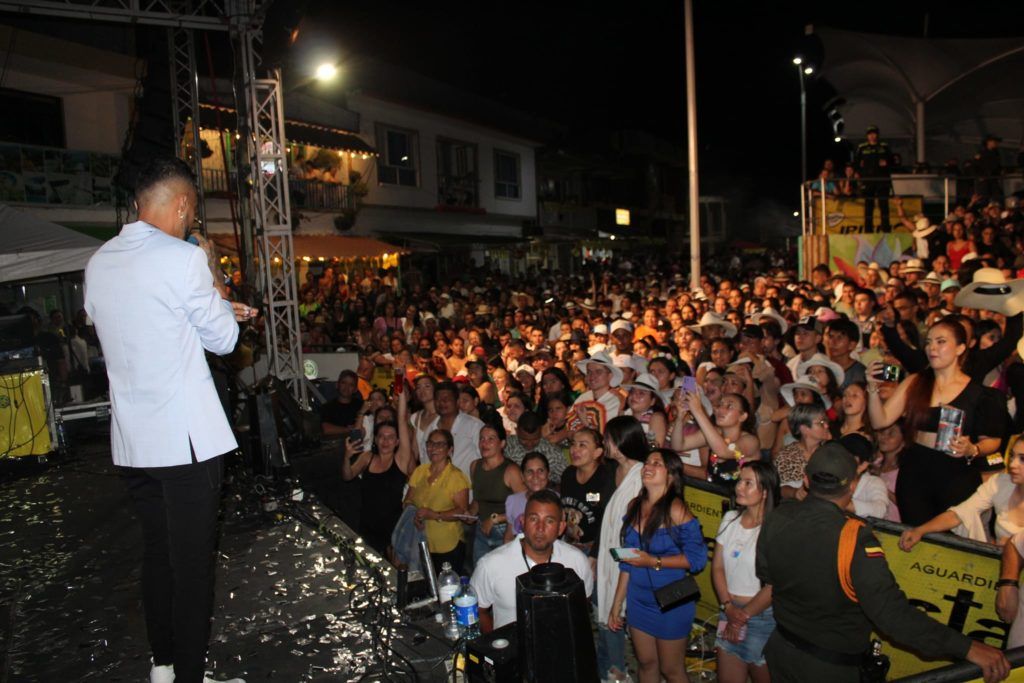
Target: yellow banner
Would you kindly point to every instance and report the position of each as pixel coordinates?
(24, 428)
(955, 586)
(846, 216)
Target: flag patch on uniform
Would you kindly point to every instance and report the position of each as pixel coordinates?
(874, 551)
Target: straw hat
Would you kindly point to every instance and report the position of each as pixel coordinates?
(991, 291)
(914, 265)
(647, 382)
(923, 227)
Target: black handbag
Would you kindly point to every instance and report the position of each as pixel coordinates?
(677, 593)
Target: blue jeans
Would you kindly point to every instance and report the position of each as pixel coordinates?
(611, 650)
(485, 543)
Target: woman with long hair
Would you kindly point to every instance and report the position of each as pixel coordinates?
(646, 405)
(746, 622)
(930, 480)
(382, 471)
(855, 410)
(669, 545)
(730, 437)
(625, 444)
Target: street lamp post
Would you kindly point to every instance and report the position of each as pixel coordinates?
(803, 71)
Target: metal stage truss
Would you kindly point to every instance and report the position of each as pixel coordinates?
(263, 191)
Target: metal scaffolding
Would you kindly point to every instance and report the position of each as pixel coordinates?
(263, 189)
(185, 107)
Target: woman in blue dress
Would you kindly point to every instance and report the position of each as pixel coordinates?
(670, 544)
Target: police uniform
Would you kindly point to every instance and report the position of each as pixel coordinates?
(874, 161)
(821, 634)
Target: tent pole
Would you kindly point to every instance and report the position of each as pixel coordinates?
(919, 116)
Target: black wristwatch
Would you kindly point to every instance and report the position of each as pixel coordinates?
(1002, 583)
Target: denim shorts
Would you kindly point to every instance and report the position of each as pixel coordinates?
(751, 648)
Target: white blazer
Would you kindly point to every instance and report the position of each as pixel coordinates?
(152, 300)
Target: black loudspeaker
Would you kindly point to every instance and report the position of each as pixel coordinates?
(493, 658)
(553, 625)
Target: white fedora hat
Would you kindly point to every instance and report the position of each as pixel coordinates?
(709, 319)
(991, 291)
(770, 315)
(821, 359)
(803, 383)
(602, 358)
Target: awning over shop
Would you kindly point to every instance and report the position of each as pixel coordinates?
(31, 247)
(326, 246)
(223, 118)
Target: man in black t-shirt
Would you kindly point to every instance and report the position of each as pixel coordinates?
(339, 416)
(584, 504)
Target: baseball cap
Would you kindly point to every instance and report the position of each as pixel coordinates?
(949, 284)
(810, 323)
(752, 331)
(831, 468)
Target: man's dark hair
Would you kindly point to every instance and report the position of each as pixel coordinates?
(160, 170)
(845, 327)
(348, 373)
(870, 294)
(548, 497)
(447, 386)
(529, 422)
(821, 268)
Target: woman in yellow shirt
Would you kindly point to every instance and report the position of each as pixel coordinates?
(440, 492)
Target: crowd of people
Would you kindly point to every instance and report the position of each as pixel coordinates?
(613, 385)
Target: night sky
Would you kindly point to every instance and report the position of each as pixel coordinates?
(621, 65)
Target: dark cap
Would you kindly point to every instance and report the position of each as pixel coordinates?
(810, 323)
(663, 325)
(752, 331)
(831, 468)
(871, 129)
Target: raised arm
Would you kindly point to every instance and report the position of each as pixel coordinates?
(884, 414)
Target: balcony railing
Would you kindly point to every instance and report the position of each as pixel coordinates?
(314, 195)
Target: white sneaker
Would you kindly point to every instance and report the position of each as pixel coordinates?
(161, 674)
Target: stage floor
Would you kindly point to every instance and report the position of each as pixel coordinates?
(70, 608)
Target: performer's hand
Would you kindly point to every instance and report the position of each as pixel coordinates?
(243, 312)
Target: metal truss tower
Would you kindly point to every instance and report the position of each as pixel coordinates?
(263, 190)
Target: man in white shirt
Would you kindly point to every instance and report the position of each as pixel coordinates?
(465, 428)
(602, 401)
(494, 579)
(151, 295)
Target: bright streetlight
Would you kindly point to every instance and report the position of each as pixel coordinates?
(326, 71)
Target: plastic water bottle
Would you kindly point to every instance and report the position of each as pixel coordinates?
(447, 584)
(466, 610)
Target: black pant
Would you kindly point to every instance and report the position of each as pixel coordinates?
(455, 556)
(178, 509)
(930, 482)
(871, 191)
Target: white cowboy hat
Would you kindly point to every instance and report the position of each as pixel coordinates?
(821, 359)
(991, 291)
(931, 278)
(647, 382)
(602, 358)
(632, 361)
(923, 227)
(803, 383)
(771, 315)
(709, 319)
(621, 324)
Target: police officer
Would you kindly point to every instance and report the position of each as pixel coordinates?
(830, 587)
(873, 161)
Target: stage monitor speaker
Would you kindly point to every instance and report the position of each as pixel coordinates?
(553, 619)
(493, 658)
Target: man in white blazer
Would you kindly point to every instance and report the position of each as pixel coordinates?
(152, 299)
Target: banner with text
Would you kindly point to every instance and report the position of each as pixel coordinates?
(844, 216)
(953, 583)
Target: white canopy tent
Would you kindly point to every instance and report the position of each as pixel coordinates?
(31, 247)
(937, 98)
